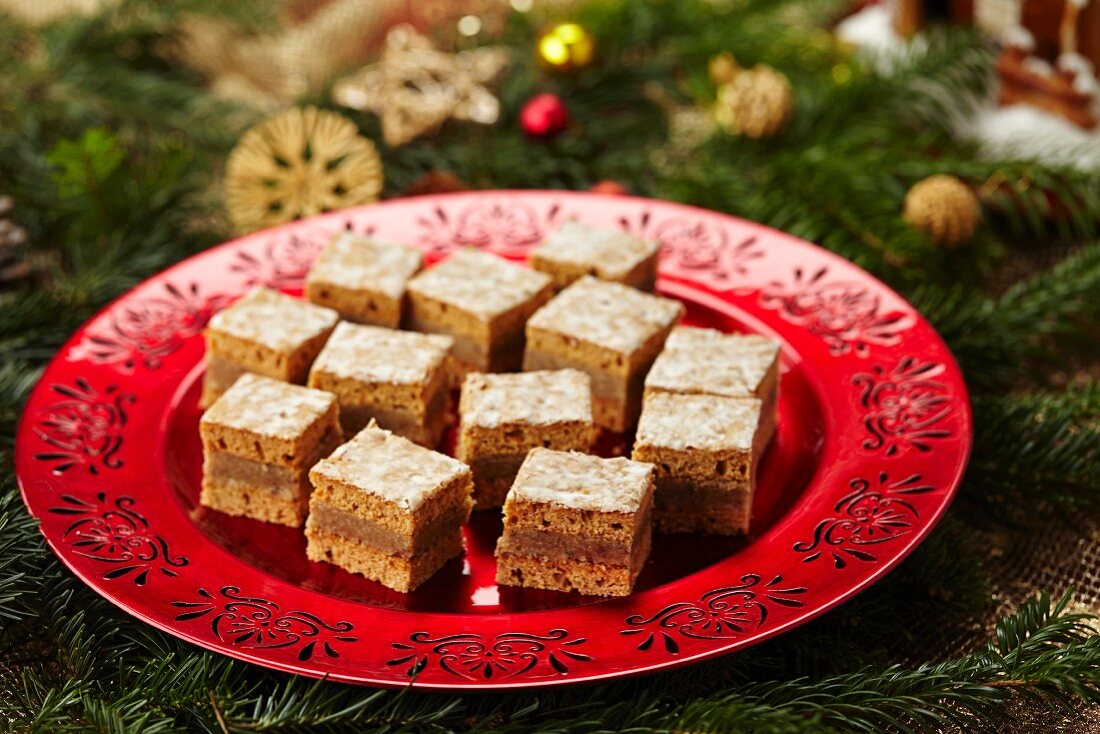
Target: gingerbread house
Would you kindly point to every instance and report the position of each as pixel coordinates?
(1050, 48)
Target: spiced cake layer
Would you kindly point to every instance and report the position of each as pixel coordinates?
(397, 572)
(711, 508)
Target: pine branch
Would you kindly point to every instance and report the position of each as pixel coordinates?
(1037, 451)
(1041, 650)
(1036, 325)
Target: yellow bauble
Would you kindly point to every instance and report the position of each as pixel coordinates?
(296, 164)
(756, 102)
(944, 207)
(566, 47)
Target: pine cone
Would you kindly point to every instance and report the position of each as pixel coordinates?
(944, 207)
(14, 267)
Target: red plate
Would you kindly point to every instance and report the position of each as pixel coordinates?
(874, 432)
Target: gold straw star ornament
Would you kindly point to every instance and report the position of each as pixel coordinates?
(414, 88)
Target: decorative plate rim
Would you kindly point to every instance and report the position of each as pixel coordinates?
(77, 479)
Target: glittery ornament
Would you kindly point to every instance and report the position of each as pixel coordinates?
(299, 163)
(756, 102)
(415, 88)
(544, 116)
(566, 47)
(944, 207)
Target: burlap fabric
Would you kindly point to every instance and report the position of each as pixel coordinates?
(1051, 556)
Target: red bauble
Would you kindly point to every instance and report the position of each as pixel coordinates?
(544, 116)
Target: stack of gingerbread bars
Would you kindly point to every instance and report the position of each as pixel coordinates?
(288, 380)
(387, 508)
(575, 522)
(259, 440)
(709, 411)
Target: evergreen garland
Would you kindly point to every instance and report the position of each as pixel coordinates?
(113, 156)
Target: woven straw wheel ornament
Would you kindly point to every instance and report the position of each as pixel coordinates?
(944, 207)
(755, 102)
(299, 163)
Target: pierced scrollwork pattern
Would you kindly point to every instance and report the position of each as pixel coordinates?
(723, 613)
(113, 533)
(872, 513)
(256, 623)
(284, 261)
(497, 225)
(697, 248)
(846, 315)
(84, 428)
(903, 405)
(473, 656)
(143, 331)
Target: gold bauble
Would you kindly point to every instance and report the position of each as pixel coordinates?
(299, 163)
(566, 47)
(944, 207)
(756, 102)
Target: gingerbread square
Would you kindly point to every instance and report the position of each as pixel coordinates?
(576, 249)
(706, 361)
(259, 440)
(574, 522)
(503, 416)
(706, 449)
(388, 509)
(266, 333)
(397, 378)
(609, 330)
(482, 301)
(363, 279)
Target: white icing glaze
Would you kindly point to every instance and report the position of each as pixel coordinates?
(390, 467)
(609, 315)
(611, 251)
(481, 284)
(361, 263)
(268, 407)
(582, 482)
(377, 355)
(534, 398)
(685, 422)
(708, 361)
(274, 320)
